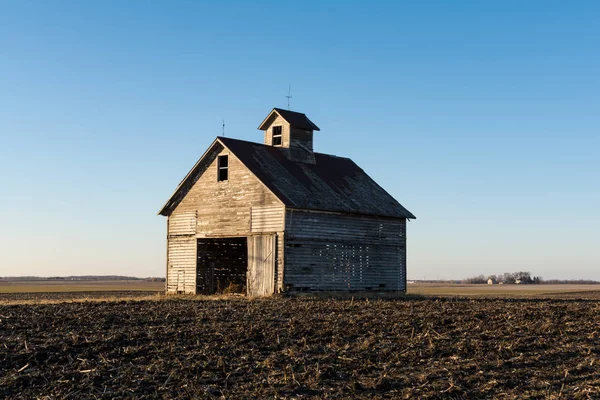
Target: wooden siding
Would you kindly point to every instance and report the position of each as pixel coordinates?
(285, 131)
(342, 252)
(299, 141)
(262, 252)
(267, 219)
(181, 264)
(223, 208)
(301, 138)
(220, 209)
(280, 265)
(181, 252)
(183, 223)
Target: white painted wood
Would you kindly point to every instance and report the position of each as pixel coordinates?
(223, 208)
(277, 120)
(181, 265)
(180, 281)
(267, 218)
(182, 223)
(261, 265)
(181, 253)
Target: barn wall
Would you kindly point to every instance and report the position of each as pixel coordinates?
(267, 218)
(341, 252)
(181, 253)
(225, 209)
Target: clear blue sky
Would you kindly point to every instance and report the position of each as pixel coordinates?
(482, 118)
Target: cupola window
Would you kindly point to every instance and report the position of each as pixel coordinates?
(277, 134)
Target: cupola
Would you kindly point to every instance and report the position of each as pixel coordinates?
(292, 131)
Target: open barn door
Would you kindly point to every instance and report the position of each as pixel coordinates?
(261, 264)
(222, 265)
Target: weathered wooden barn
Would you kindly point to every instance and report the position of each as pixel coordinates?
(278, 217)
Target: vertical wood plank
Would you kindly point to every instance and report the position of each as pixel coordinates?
(261, 265)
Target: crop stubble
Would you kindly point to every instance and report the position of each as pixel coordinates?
(429, 348)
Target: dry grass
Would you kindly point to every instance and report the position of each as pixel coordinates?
(53, 292)
(546, 291)
(97, 297)
(82, 299)
(78, 286)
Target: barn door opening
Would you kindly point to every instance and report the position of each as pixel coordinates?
(222, 265)
(261, 264)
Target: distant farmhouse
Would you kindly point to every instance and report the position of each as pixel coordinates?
(278, 217)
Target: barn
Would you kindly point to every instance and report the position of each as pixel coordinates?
(278, 217)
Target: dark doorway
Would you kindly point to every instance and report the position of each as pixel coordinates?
(222, 265)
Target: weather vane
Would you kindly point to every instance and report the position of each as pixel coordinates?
(289, 96)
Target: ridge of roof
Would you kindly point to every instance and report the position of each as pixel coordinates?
(278, 148)
(169, 203)
(294, 118)
(332, 184)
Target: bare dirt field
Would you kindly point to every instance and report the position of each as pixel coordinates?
(298, 348)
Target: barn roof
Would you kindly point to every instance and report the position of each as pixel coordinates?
(295, 119)
(331, 184)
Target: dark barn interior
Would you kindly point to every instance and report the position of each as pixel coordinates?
(222, 265)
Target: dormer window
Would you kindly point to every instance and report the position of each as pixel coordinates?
(222, 168)
(277, 135)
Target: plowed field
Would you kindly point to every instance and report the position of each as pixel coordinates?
(300, 348)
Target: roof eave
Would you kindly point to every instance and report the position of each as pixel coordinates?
(278, 194)
(165, 208)
(408, 214)
(262, 124)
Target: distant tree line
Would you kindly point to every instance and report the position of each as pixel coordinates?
(524, 278)
(507, 278)
(571, 282)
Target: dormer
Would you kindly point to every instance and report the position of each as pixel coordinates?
(290, 130)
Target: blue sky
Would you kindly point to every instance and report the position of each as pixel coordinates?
(482, 118)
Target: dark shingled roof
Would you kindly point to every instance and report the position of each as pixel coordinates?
(295, 119)
(332, 184)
